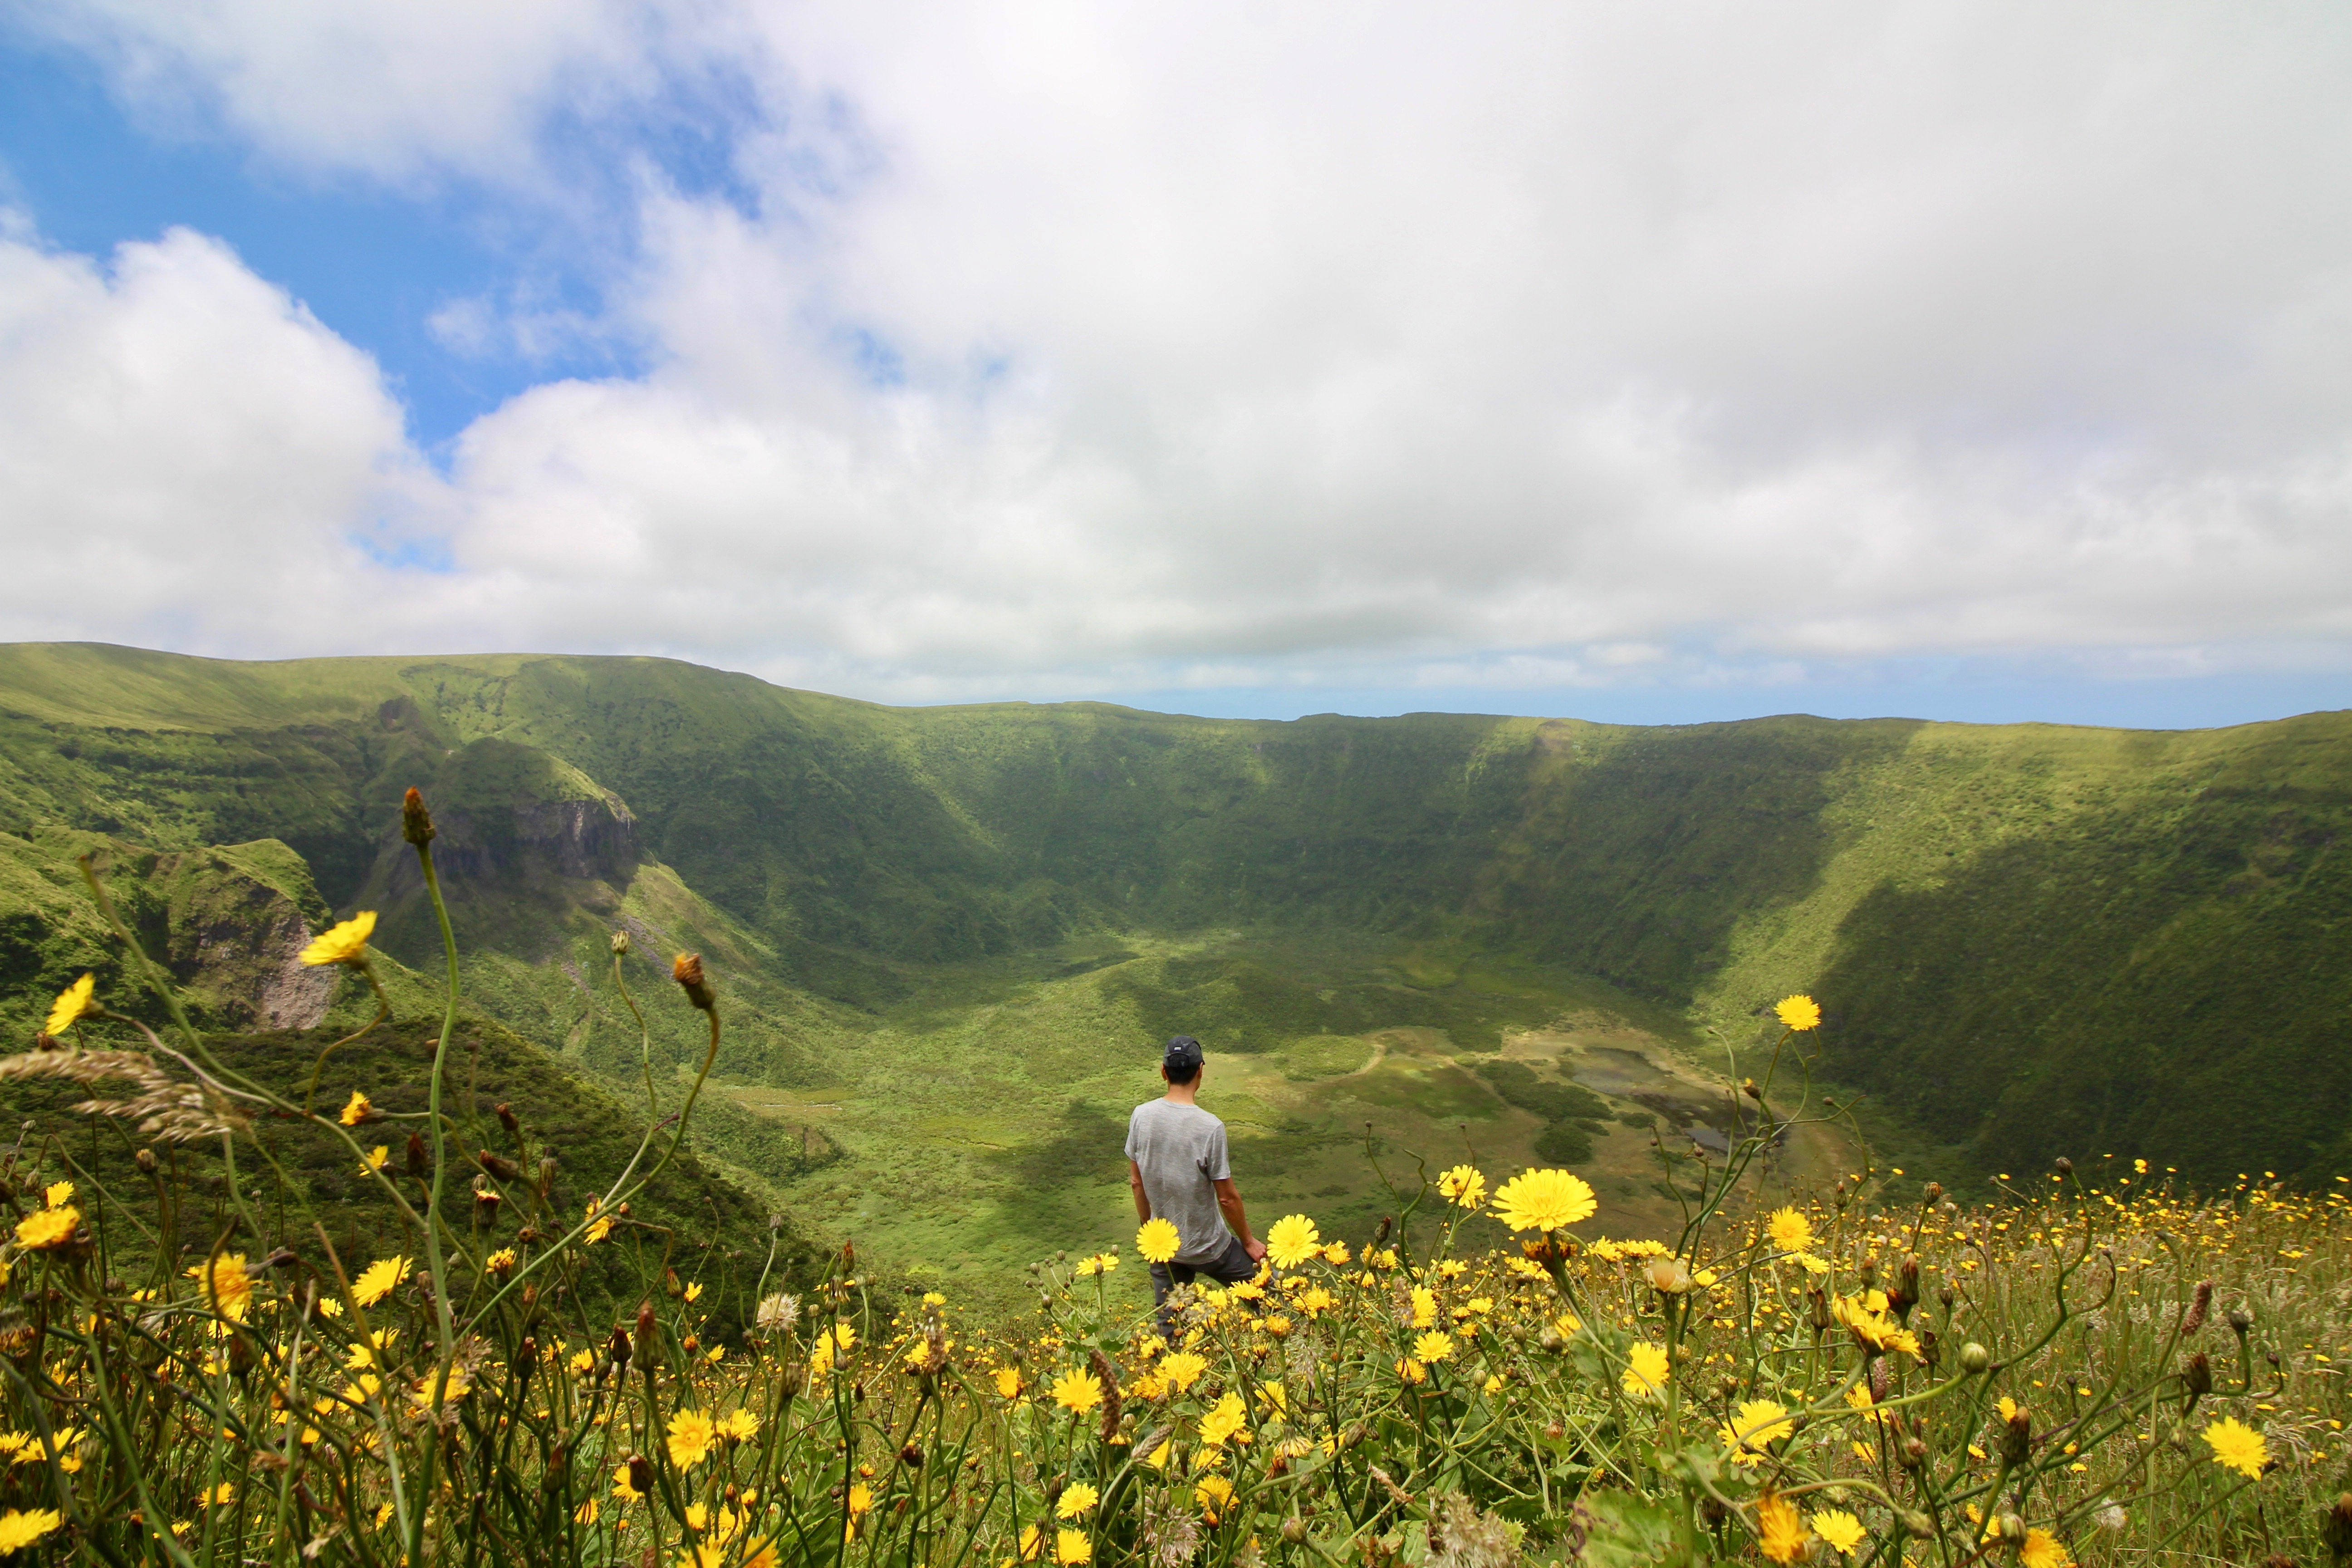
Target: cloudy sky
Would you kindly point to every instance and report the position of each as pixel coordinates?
(1979, 360)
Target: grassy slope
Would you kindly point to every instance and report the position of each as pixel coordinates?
(2031, 937)
(707, 1226)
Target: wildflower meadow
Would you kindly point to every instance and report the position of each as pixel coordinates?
(2095, 1366)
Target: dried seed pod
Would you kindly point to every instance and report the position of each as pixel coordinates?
(2198, 1305)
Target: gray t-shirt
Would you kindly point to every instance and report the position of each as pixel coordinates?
(1181, 1149)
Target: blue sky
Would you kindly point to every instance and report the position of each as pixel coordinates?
(1985, 366)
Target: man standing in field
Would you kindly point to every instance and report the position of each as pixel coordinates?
(1177, 1167)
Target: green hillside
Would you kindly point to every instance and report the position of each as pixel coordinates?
(2029, 939)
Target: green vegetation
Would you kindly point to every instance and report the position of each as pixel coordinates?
(950, 937)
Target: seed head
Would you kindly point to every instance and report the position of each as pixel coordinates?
(2198, 1305)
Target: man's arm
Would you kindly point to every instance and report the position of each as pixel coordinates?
(1229, 1202)
(1135, 1185)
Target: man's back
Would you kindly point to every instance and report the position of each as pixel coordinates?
(1180, 1152)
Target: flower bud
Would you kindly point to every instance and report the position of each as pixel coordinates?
(2337, 1530)
(620, 943)
(1974, 1357)
(415, 822)
(507, 1119)
(2011, 1526)
(420, 1162)
(1913, 1454)
(1935, 1192)
(641, 1473)
(2017, 1437)
(146, 1159)
(686, 970)
(1914, 1523)
(619, 1346)
(2197, 1377)
(2239, 1320)
(498, 1166)
(1293, 1530)
(2065, 1166)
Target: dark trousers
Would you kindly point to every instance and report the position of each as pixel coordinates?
(1229, 1267)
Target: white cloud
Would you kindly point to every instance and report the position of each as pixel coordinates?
(187, 456)
(1064, 348)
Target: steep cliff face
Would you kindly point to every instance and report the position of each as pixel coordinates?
(228, 922)
(524, 844)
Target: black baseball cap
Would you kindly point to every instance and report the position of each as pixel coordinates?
(1183, 1056)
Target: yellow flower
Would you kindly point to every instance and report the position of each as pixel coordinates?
(459, 1384)
(1866, 1318)
(345, 944)
(1759, 1423)
(223, 1279)
(74, 1004)
(56, 1194)
(1544, 1200)
(501, 1260)
(1292, 1241)
(1158, 1458)
(694, 1291)
(1424, 1307)
(1071, 1547)
(599, 1226)
(1336, 1255)
(49, 1228)
(1223, 1421)
(1008, 1382)
(1182, 1370)
(1645, 1373)
(376, 1157)
(19, 1528)
(1075, 1500)
(692, 1436)
(1412, 1371)
(1791, 1231)
(1464, 1186)
(739, 1426)
(621, 1487)
(861, 1500)
(2238, 1447)
(1780, 1530)
(1087, 1267)
(2043, 1550)
(379, 1279)
(1798, 1013)
(1840, 1529)
(1158, 1240)
(581, 1362)
(587, 1511)
(1078, 1391)
(356, 1109)
(1213, 1493)
(1433, 1347)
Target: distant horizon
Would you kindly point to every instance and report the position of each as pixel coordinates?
(2229, 703)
